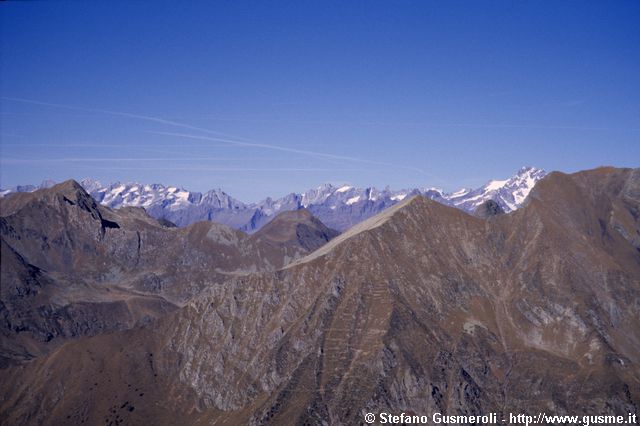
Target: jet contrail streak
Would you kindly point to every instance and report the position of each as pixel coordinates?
(121, 114)
(237, 141)
(284, 149)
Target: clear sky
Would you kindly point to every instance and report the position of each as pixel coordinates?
(265, 98)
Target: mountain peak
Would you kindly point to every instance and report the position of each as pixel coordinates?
(530, 171)
(295, 229)
(68, 185)
(364, 226)
(525, 169)
(91, 184)
(47, 183)
(509, 193)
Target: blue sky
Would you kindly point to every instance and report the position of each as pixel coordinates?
(265, 98)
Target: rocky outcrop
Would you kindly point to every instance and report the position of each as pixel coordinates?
(488, 209)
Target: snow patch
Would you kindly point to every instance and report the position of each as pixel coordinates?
(460, 193)
(118, 190)
(494, 185)
(353, 200)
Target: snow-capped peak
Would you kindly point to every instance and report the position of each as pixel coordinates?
(509, 193)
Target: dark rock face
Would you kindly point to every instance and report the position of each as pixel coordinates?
(298, 231)
(422, 308)
(488, 209)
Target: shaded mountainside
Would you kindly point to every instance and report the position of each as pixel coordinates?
(488, 209)
(421, 308)
(72, 267)
(297, 229)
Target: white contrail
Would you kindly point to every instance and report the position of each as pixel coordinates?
(235, 140)
(121, 114)
(424, 124)
(105, 159)
(229, 169)
(285, 149)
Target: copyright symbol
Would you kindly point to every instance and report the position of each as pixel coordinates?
(369, 417)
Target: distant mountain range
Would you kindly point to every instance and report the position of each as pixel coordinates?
(339, 207)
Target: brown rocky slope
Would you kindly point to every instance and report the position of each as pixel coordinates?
(71, 267)
(422, 308)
